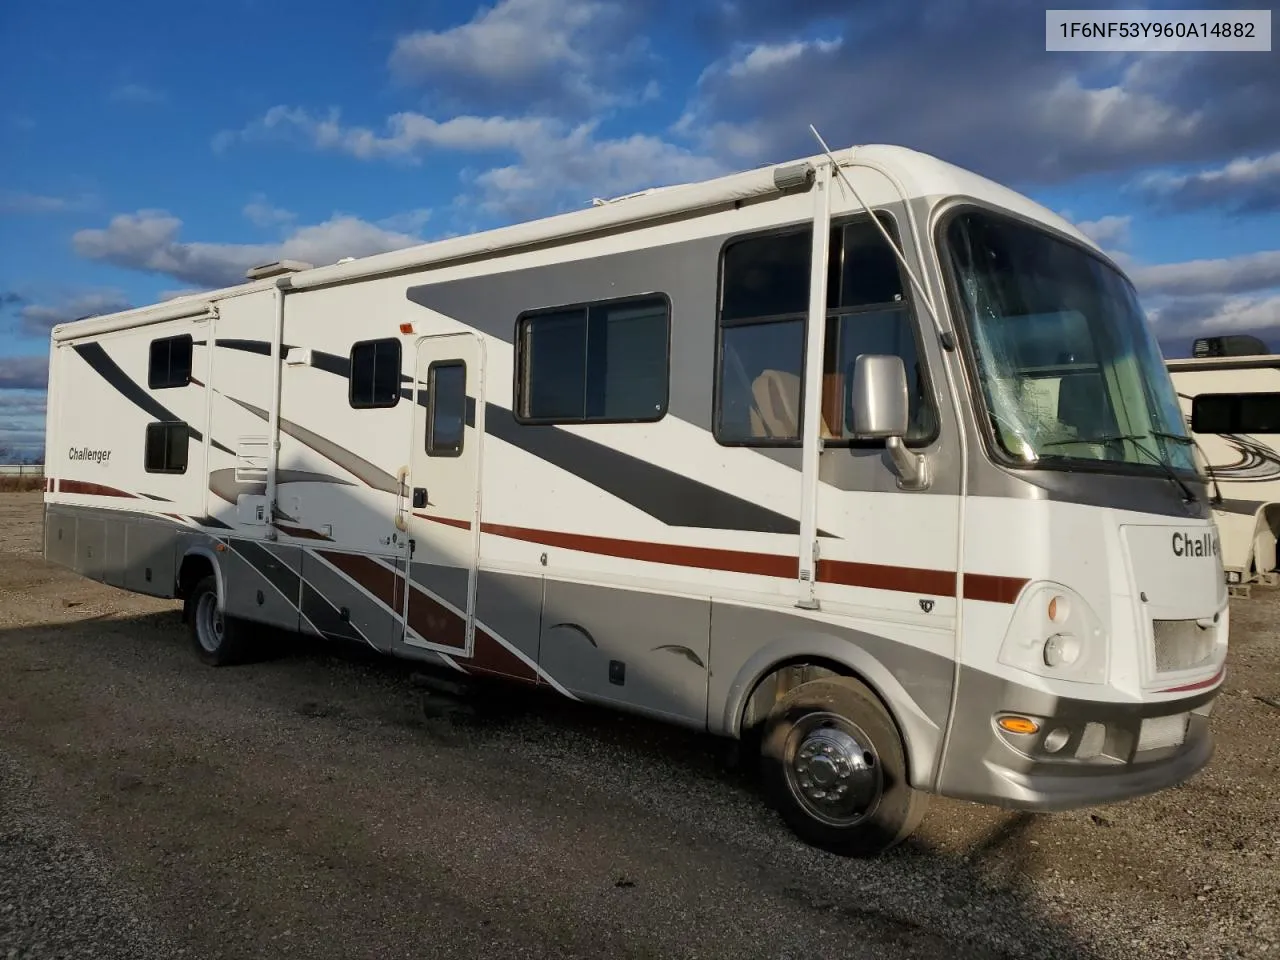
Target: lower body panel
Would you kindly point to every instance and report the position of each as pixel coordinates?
(1085, 752)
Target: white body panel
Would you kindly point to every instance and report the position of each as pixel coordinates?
(1247, 466)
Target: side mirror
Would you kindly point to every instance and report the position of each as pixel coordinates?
(879, 405)
(878, 397)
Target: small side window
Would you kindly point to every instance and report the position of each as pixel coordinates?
(1235, 413)
(170, 362)
(600, 362)
(166, 448)
(375, 373)
(446, 408)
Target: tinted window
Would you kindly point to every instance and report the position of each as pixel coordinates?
(766, 276)
(170, 362)
(375, 373)
(868, 270)
(166, 448)
(603, 362)
(766, 290)
(447, 408)
(760, 378)
(1236, 413)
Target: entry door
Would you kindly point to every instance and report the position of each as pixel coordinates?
(444, 493)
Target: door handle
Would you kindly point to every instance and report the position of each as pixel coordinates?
(419, 497)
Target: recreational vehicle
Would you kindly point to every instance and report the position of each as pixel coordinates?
(1231, 400)
(863, 460)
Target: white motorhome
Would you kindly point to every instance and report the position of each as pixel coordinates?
(916, 517)
(1232, 404)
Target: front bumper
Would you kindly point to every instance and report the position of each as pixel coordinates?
(1111, 751)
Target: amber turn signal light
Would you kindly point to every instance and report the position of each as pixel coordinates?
(1018, 724)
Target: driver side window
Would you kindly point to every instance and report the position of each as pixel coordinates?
(764, 304)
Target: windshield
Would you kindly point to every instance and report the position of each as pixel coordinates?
(1068, 369)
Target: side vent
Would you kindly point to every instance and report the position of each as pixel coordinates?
(252, 454)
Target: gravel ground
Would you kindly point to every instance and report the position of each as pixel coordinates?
(320, 804)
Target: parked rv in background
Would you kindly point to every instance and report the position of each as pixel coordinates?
(1230, 395)
(863, 459)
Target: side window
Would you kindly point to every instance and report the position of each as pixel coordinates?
(764, 304)
(595, 363)
(375, 373)
(170, 362)
(447, 408)
(1236, 413)
(868, 312)
(165, 450)
(763, 301)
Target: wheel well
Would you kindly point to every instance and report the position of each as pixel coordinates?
(195, 568)
(784, 677)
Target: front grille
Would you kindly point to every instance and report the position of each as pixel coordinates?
(1159, 732)
(1181, 645)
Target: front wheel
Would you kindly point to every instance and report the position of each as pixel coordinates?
(835, 767)
(219, 639)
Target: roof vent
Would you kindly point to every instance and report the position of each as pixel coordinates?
(277, 269)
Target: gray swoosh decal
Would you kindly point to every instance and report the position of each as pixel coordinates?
(357, 466)
(223, 482)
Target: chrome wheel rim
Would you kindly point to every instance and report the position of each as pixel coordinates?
(209, 623)
(833, 770)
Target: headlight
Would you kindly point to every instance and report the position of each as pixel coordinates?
(1054, 633)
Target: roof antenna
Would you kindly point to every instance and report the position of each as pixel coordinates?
(946, 336)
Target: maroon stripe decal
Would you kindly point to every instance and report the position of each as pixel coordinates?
(1200, 684)
(876, 576)
(430, 619)
(92, 489)
(993, 589)
(879, 576)
(383, 583)
(490, 656)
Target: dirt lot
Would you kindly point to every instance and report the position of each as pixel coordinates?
(320, 805)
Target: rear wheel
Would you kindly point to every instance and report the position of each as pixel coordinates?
(835, 767)
(219, 639)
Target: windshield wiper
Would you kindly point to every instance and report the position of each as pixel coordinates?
(1193, 442)
(1187, 494)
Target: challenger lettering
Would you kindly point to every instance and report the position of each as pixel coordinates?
(84, 453)
(1186, 545)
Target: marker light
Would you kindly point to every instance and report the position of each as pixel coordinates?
(1057, 739)
(1059, 609)
(406, 328)
(1061, 649)
(1018, 724)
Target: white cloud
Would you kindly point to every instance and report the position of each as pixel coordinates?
(24, 373)
(1228, 275)
(556, 172)
(563, 52)
(39, 318)
(263, 214)
(1244, 185)
(407, 135)
(552, 163)
(411, 221)
(978, 94)
(765, 57)
(20, 202)
(148, 240)
(1107, 231)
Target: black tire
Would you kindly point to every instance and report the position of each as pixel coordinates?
(219, 640)
(858, 747)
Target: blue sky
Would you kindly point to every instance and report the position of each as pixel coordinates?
(148, 149)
